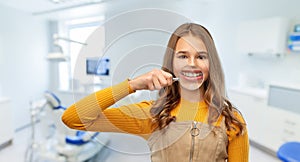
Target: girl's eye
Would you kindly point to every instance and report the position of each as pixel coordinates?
(182, 56)
(202, 57)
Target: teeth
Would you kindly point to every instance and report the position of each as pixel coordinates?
(188, 74)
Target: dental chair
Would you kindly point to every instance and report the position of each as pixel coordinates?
(67, 145)
(289, 152)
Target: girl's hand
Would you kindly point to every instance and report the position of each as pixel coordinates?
(153, 80)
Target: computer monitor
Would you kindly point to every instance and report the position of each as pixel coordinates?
(98, 66)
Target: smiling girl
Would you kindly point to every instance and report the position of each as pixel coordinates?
(192, 120)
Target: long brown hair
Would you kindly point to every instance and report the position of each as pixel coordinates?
(214, 95)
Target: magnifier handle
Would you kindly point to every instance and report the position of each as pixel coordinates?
(175, 79)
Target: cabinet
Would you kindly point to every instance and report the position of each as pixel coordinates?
(6, 125)
(267, 126)
(263, 36)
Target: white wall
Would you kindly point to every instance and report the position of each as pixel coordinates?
(24, 44)
(222, 19)
(23, 67)
(137, 33)
(229, 14)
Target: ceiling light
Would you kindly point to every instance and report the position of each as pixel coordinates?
(66, 1)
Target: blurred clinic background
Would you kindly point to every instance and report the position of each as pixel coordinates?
(54, 52)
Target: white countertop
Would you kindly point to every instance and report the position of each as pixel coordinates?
(295, 86)
(4, 99)
(257, 92)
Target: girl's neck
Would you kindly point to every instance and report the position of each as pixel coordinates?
(192, 96)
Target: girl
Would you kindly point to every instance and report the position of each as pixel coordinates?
(192, 120)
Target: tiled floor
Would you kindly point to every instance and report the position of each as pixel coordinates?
(119, 149)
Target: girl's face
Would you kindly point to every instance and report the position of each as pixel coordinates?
(190, 62)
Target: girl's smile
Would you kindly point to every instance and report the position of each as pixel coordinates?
(192, 75)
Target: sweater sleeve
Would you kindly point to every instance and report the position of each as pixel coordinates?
(92, 113)
(238, 147)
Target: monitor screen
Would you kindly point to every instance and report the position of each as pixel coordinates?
(97, 66)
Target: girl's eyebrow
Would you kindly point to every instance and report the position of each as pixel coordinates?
(203, 52)
(185, 52)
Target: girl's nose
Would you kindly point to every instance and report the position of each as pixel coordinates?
(191, 62)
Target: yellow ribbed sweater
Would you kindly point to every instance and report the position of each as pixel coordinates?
(92, 114)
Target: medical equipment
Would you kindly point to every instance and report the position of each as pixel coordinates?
(289, 152)
(57, 53)
(60, 144)
(98, 66)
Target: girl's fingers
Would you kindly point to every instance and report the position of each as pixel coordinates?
(168, 77)
(162, 79)
(151, 86)
(157, 82)
(153, 80)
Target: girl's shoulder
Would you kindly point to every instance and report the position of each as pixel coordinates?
(238, 115)
(232, 133)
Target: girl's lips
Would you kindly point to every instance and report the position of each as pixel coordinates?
(191, 76)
